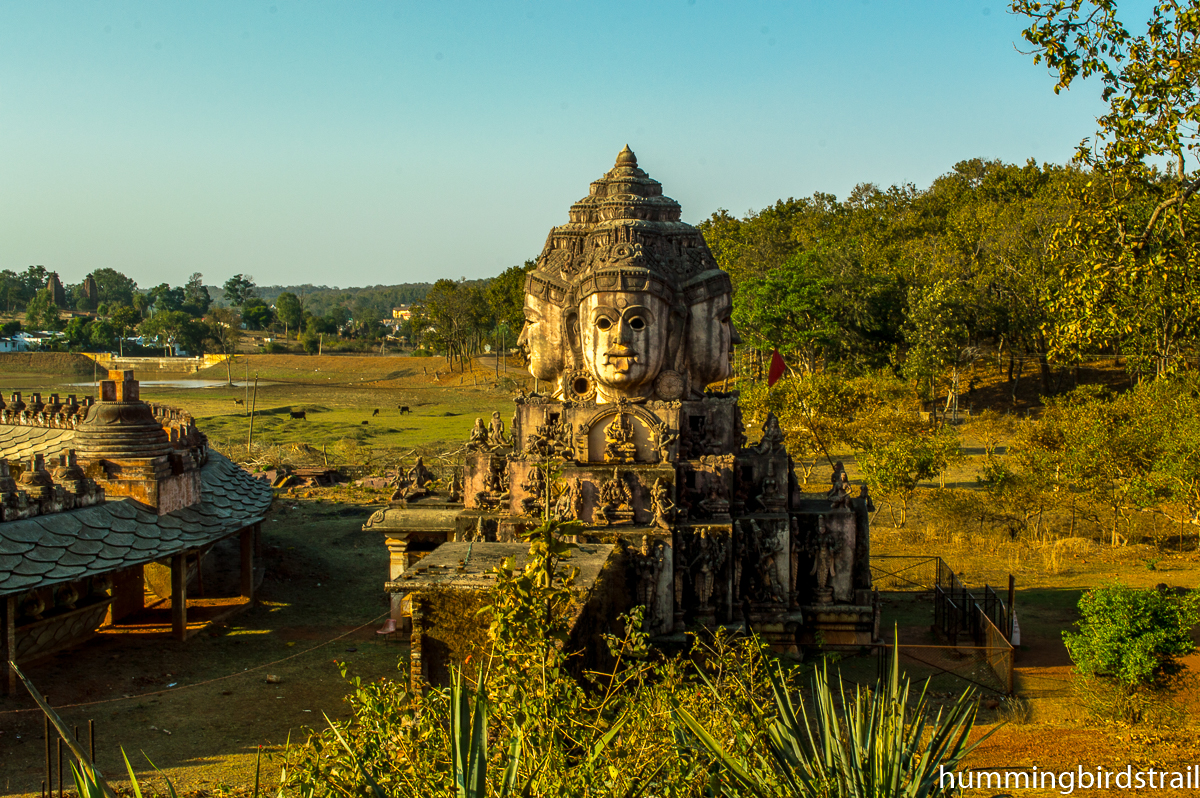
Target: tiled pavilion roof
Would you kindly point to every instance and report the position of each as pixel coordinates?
(63, 547)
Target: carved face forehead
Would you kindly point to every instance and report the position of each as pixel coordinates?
(624, 339)
(542, 337)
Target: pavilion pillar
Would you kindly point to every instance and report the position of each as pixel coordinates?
(10, 642)
(179, 595)
(247, 540)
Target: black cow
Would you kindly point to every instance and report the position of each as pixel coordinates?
(404, 409)
(364, 422)
(299, 414)
(375, 413)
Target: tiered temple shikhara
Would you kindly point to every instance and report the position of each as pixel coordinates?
(111, 494)
(628, 321)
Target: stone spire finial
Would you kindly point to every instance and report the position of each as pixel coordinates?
(626, 157)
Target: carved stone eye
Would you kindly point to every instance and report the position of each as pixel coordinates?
(603, 323)
(637, 323)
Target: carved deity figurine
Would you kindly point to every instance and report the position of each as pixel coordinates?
(648, 562)
(769, 496)
(665, 439)
(496, 433)
(710, 556)
(839, 492)
(770, 588)
(618, 441)
(772, 437)
(661, 504)
(569, 506)
(479, 437)
(615, 499)
(535, 486)
(825, 552)
(419, 476)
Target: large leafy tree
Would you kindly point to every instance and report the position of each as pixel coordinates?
(257, 313)
(196, 299)
(224, 332)
(239, 288)
(290, 311)
(1135, 279)
(164, 297)
(453, 318)
(41, 313)
(506, 296)
(112, 287)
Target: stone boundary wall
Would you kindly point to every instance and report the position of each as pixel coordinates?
(143, 364)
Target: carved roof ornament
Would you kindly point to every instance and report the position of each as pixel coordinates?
(626, 300)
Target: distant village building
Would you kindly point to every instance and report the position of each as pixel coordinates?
(58, 294)
(32, 339)
(13, 345)
(402, 313)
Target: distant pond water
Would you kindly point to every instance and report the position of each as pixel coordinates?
(184, 384)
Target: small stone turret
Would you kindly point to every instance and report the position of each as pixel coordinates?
(124, 447)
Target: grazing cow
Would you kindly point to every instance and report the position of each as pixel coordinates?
(241, 402)
(364, 423)
(375, 413)
(299, 414)
(404, 409)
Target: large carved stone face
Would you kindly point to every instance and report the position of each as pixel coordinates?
(542, 338)
(624, 339)
(711, 336)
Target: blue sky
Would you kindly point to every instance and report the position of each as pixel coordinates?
(357, 143)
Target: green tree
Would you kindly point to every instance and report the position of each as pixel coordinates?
(170, 327)
(506, 295)
(112, 287)
(78, 333)
(10, 289)
(225, 331)
(33, 280)
(239, 288)
(938, 333)
(41, 313)
(123, 319)
(1132, 636)
(196, 299)
(894, 465)
(1134, 279)
(103, 335)
(164, 297)
(455, 315)
(290, 311)
(257, 313)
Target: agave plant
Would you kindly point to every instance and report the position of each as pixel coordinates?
(879, 744)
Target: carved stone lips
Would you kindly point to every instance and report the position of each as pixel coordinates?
(621, 358)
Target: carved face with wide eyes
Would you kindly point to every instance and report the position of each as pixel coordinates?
(542, 338)
(711, 336)
(624, 341)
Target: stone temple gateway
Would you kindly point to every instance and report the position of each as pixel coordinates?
(628, 323)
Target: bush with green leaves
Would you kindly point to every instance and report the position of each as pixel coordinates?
(1132, 636)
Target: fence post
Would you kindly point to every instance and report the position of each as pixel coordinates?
(1012, 605)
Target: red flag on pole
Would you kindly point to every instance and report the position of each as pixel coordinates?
(776, 370)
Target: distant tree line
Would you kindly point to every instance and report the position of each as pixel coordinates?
(107, 308)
